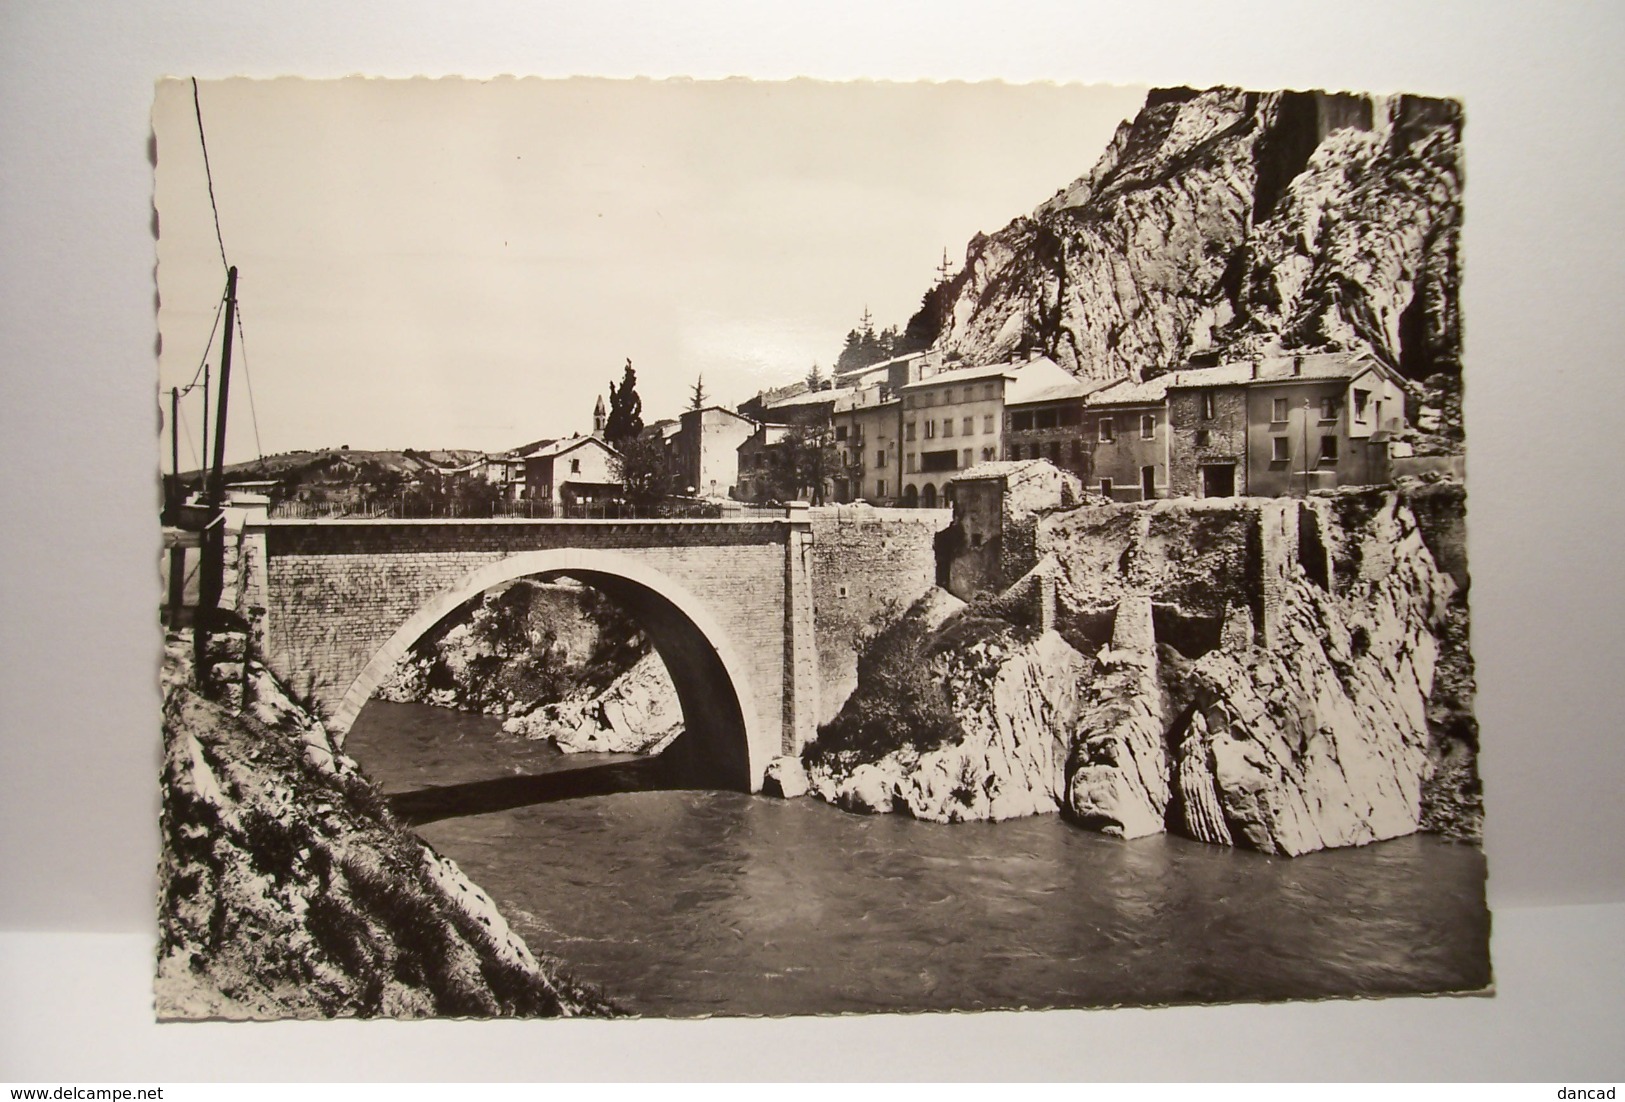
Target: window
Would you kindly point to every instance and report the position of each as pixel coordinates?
(947, 426)
(908, 431)
(1071, 415)
(1361, 399)
(1108, 430)
(880, 459)
(1203, 438)
(928, 399)
(1045, 419)
(968, 426)
(987, 422)
(911, 466)
(840, 432)
(880, 487)
(1278, 410)
(987, 392)
(930, 430)
(1105, 487)
(1021, 422)
(575, 466)
(1208, 410)
(938, 461)
(965, 459)
(987, 454)
(1328, 449)
(1328, 409)
(1278, 450)
(948, 397)
(1015, 451)
(1148, 425)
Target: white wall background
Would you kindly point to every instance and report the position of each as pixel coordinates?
(79, 586)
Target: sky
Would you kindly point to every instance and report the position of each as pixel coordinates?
(468, 264)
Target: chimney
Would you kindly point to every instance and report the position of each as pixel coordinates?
(1297, 365)
(1255, 371)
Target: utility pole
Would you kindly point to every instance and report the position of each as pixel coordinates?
(203, 460)
(212, 566)
(172, 498)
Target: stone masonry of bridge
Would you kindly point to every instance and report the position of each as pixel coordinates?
(336, 603)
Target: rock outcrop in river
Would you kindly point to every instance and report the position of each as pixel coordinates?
(287, 889)
(561, 661)
(1245, 672)
(1224, 221)
(638, 713)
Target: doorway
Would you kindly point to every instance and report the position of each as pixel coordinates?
(1219, 480)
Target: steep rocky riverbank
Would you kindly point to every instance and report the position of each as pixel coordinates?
(1256, 673)
(287, 889)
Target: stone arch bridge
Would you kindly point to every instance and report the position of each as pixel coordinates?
(729, 604)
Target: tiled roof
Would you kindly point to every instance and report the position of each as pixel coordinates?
(559, 447)
(811, 398)
(1044, 380)
(1000, 468)
(965, 374)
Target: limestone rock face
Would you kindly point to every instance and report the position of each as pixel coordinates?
(1015, 704)
(639, 713)
(1295, 718)
(1321, 739)
(1225, 220)
(1118, 777)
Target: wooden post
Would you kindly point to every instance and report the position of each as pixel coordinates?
(212, 565)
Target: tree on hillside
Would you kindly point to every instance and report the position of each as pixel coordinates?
(640, 466)
(625, 409)
(815, 378)
(864, 346)
(697, 395)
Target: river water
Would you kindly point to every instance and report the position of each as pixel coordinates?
(687, 903)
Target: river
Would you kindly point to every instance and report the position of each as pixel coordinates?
(685, 903)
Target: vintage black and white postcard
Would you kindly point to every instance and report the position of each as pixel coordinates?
(685, 548)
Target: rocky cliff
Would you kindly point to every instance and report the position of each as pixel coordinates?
(287, 889)
(1224, 221)
(1244, 672)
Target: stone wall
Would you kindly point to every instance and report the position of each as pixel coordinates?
(1226, 438)
(868, 566)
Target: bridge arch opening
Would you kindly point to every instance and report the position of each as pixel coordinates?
(723, 744)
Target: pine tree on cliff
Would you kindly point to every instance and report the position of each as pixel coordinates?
(697, 395)
(625, 409)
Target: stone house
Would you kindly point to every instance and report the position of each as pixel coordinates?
(1125, 429)
(761, 457)
(1282, 424)
(705, 451)
(578, 470)
(996, 504)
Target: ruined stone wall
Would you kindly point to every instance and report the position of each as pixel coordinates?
(868, 566)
